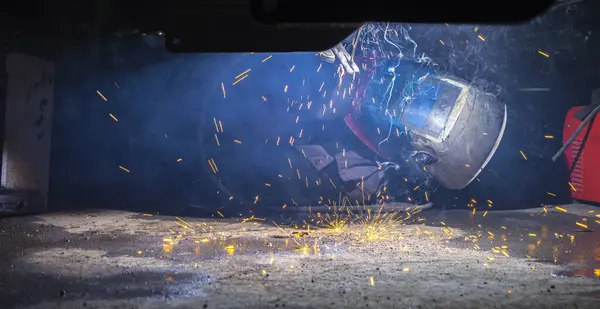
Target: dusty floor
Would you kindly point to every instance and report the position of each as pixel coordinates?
(453, 259)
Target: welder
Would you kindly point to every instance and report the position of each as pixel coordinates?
(373, 126)
(419, 129)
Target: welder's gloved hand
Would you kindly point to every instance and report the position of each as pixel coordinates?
(340, 53)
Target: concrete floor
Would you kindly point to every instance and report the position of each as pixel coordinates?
(452, 259)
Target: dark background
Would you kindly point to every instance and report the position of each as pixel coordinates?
(161, 98)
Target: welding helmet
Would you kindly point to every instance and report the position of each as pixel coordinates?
(450, 128)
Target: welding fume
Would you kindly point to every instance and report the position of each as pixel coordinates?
(361, 123)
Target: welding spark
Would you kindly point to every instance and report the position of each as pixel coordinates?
(239, 80)
(378, 225)
(332, 183)
(230, 250)
(560, 209)
(101, 95)
(243, 73)
(583, 225)
(216, 125)
(523, 154)
(543, 54)
(337, 220)
(213, 166)
(113, 117)
(301, 243)
(121, 167)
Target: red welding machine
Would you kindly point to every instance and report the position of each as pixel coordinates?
(583, 153)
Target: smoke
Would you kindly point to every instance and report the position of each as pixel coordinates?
(258, 106)
(216, 129)
(153, 134)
